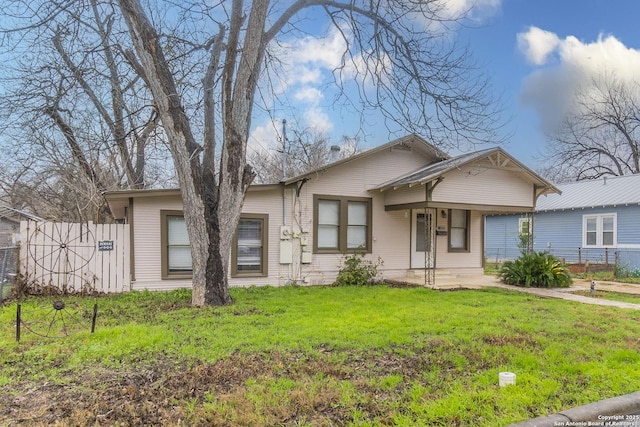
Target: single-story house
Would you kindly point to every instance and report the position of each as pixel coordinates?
(406, 202)
(10, 225)
(595, 220)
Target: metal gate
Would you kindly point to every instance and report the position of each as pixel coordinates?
(75, 257)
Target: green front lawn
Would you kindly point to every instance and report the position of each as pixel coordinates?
(609, 295)
(316, 356)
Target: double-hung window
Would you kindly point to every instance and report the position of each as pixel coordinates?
(175, 247)
(524, 226)
(250, 246)
(599, 230)
(458, 230)
(341, 224)
(248, 251)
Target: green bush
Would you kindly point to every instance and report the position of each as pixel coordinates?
(356, 270)
(625, 271)
(536, 269)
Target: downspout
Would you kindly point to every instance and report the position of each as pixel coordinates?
(132, 252)
(284, 204)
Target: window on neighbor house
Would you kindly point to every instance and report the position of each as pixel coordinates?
(248, 252)
(250, 246)
(599, 230)
(524, 226)
(341, 224)
(458, 230)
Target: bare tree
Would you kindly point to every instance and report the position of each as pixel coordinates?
(75, 95)
(297, 152)
(601, 136)
(420, 80)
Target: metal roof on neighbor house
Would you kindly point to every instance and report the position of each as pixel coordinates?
(16, 214)
(610, 191)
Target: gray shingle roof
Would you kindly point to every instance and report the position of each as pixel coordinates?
(434, 170)
(619, 190)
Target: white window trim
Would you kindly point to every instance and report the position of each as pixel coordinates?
(521, 221)
(599, 231)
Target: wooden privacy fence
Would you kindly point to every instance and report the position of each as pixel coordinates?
(76, 257)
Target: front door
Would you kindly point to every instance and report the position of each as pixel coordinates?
(422, 232)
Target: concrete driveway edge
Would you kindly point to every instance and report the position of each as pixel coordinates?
(612, 412)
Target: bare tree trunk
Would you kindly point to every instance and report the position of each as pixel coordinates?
(209, 264)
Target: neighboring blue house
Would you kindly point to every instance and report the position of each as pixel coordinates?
(595, 220)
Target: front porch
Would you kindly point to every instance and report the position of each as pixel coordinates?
(446, 279)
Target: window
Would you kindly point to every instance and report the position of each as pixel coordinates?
(248, 251)
(599, 230)
(341, 224)
(250, 246)
(423, 227)
(524, 226)
(175, 248)
(458, 230)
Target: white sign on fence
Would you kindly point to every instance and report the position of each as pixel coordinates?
(76, 257)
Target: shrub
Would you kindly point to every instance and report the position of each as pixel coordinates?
(623, 271)
(536, 269)
(356, 270)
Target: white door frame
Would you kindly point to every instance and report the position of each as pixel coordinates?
(418, 257)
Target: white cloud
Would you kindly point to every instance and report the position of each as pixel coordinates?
(308, 94)
(551, 90)
(305, 60)
(537, 44)
(317, 119)
(263, 137)
(476, 10)
(451, 12)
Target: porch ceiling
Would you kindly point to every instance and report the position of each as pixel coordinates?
(487, 209)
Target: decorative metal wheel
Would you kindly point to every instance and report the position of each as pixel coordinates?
(55, 317)
(60, 250)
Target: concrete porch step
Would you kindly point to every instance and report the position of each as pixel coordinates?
(440, 274)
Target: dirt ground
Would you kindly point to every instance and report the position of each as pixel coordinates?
(170, 393)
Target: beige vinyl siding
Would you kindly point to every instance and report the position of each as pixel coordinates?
(484, 186)
(368, 172)
(146, 235)
(417, 193)
(147, 240)
(266, 203)
(391, 230)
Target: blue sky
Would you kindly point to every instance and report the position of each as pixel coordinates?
(536, 51)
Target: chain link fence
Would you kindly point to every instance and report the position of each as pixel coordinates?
(622, 261)
(8, 269)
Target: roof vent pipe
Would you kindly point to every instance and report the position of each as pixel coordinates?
(334, 153)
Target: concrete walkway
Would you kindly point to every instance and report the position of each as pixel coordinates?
(447, 282)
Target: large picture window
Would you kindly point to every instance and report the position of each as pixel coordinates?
(341, 224)
(248, 252)
(599, 230)
(458, 230)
